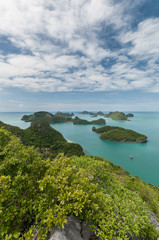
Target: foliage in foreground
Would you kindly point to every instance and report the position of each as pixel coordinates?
(36, 195)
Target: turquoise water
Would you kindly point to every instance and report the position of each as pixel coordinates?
(145, 162)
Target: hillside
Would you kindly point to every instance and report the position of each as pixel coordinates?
(36, 195)
(118, 115)
(49, 117)
(78, 120)
(118, 134)
(41, 135)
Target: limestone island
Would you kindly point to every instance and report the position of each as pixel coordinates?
(86, 112)
(49, 141)
(78, 120)
(118, 134)
(118, 115)
(100, 113)
(94, 115)
(49, 117)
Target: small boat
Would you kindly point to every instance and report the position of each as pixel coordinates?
(131, 156)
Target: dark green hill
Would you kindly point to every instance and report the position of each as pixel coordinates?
(78, 120)
(118, 134)
(66, 115)
(41, 135)
(49, 117)
(104, 129)
(117, 115)
(130, 115)
(123, 135)
(99, 121)
(100, 113)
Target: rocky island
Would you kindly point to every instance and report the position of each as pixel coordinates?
(118, 134)
(41, 135)
(78, 120)
(118, 115)
(49, 117)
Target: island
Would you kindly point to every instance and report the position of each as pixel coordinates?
(63, 114)
(49, 117)
(118, 115)
(86, 112)
(100, 113)
(41, 135)
(130, 115)
(78, 120)
(118, 134)
(94, 115)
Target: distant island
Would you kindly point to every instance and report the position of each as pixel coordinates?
(49, 117)
(94, 114)
(41, 135)
(87, 112)
(78, 120)
(59, 117)
(118, 134)
(118, 115)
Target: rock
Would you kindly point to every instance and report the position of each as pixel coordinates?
(72, 229)
(153, 219)
(57, 235)
(86, 231)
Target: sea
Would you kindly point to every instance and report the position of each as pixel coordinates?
(145, 162)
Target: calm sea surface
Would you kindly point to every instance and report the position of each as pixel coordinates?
(145, 162)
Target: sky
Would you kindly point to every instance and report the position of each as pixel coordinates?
(70, 55)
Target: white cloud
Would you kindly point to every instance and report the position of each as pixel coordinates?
(61, 49)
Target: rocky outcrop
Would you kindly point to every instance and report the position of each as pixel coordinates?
(74, 229)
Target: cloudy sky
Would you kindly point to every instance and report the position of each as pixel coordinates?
(79, 55)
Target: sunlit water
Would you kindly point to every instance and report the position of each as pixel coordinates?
(145, 162)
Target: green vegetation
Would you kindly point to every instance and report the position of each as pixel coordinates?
(41, 135)
(67, 115)
(117, 115)
(49, 117)
(78, 120)
(94, 115)
(123, 135)
(36, 195)
(104, 129)
(86, 112)
(130, 115)
(99, 121)
(119, 134)
(100, 113)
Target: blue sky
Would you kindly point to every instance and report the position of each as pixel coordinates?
(79, 55)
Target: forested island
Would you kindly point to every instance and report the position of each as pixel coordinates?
(47, 139)
(49, 117)
(59, 118)
(78, 120)
(118, 115)
(92, 113)
(118, 134)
